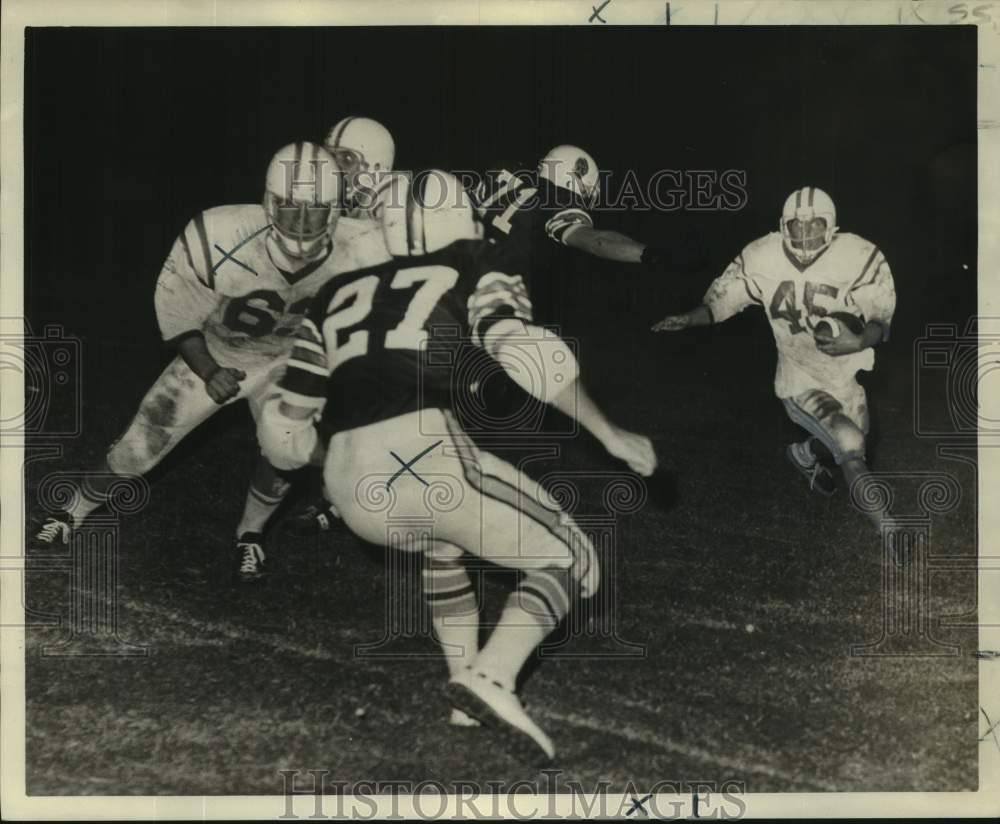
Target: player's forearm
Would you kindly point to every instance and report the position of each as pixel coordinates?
(606, 244)
(194, 351)
(700, 316)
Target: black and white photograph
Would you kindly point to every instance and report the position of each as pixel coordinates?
(432, 419)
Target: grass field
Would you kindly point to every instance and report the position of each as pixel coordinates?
(239, 684)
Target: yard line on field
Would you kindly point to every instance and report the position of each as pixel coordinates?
(230, 631)
(636, 736)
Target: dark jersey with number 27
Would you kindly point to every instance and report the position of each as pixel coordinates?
(387, 340)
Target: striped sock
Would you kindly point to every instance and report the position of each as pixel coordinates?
(451, 597)
(532, 611)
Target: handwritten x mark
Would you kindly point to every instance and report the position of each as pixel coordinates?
(639, 804)
(407, 466)
(991, 729)
(229, 255)
(597, 12)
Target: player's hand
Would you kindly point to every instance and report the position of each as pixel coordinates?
(672, 323)
(224, 384)
(846, 343)
(635, 450)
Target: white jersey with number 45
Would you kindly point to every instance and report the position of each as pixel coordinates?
(850, 275)
(223, 278)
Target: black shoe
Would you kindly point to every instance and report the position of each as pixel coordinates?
(820, 478)
(315, 519)
(249, 557)
(50, 531)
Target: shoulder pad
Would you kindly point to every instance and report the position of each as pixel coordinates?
(225, 222)
(769, 244)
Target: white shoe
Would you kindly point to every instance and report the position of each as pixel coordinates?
(478, 695)
(460, 719)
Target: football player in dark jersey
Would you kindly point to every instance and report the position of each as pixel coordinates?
(375, 367)
(527, 215)
(526, 211)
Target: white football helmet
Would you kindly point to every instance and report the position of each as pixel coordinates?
(570, 167)
(801, 231)
(365, 138)
(302, 199)
(426, 214)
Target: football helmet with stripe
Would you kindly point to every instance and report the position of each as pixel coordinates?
(302, 199)
(427, 213)
(364, 151)
(808, 222)
(360, 143)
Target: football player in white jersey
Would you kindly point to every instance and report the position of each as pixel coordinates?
(365, 153)
(805, 276)
(229, 297)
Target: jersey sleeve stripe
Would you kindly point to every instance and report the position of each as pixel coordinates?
(864, 271)
(872, 276)
(303, 384)
(308, 366)
(199, 225)
(746, 285)
(306, 401)
(301, 355)
(190, 260)
(558, 225)
(307, 340)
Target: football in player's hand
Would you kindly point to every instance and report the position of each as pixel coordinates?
(830, 326)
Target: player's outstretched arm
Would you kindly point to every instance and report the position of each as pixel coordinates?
(541, 363)
(605, 244)
(684, 256)
(699, 316)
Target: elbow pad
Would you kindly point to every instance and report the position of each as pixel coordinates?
(287, 443)
(536, 359)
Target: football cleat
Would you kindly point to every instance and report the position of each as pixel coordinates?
(808, 223)
(302, 199)
(50, 531)
(250, 557)
(315, 519)
(491, 703)
(820, 478)
(570, 167)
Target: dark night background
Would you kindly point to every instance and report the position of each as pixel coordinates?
(130, 132)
